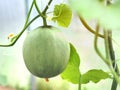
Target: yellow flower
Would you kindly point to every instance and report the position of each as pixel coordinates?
(10, 35)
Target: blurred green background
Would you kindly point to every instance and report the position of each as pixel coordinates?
(13, 72)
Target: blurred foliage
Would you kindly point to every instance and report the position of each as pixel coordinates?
(108, 16)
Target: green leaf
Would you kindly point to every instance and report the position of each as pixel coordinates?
(3, 80)
(62, 14)
(108, 16)
(94, 76)
(72, 73)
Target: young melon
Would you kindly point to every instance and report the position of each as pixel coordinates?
(46, 52)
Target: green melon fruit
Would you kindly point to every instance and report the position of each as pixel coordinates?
(46, 52)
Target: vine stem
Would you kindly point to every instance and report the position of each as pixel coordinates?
(47, 6)
(41, 14)
(27, 23)
(88, 27)
(15, 38)
(96, 46)
(80, 85)
(112, 56)
(18, 36)
(45, 10)
(107, 61)
(106, 44)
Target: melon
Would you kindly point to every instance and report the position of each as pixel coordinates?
(46, 52)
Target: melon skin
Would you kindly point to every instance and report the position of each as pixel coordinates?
(46, 52)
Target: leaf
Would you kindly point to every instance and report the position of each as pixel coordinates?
(62, 14)
(108, 16)
(3, 80)
(94, 76)
(72, 73)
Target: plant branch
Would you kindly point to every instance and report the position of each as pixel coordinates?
(38, 10)
(15, 38)
(41, 14)
(80, 85)
(112, 56)
(18, 36)
(88, 27)
(107, 61)
(96, 46)
(45, 10)
(28, 16)
(47, 6)
(106, 44)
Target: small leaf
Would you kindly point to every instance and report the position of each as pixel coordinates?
(62, 14)
(94, 76)
(72, 73)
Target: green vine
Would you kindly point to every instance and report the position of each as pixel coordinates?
(112, 56)
(28, 23)
(96, 46)
(88, 27)
(44, 12)
(41, 14)
(80, 85)
(15, 38)
(106, 60)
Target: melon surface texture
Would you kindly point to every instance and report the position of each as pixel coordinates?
(46, 52)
